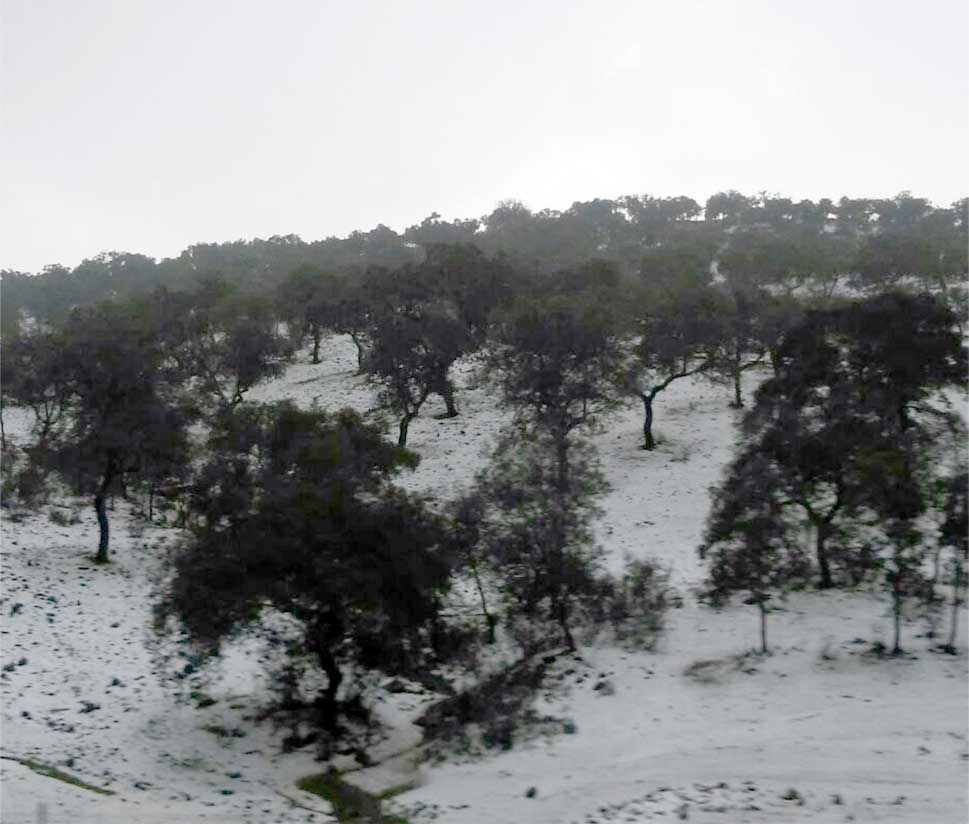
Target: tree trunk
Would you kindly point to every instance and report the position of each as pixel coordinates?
(447, 391)
(360, 354)
(562, 615)
(648, 442)
(316, 345)
(100, 509)
(328, 703)
(897, 610)
(775, 359)
(738, 401)
(821, 537)
(404, 425)
(490, 620)
(562, 460)
(956, 585)
(763, 627)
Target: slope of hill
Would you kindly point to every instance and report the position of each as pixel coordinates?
(821, 731)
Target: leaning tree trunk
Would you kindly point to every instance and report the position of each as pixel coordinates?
(648, 441)
(491, 621)
(100, 508)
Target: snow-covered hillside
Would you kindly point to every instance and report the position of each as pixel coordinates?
(821, 731)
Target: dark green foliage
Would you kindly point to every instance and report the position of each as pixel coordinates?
(954, 533)
(296, 515)
(470, 284)
(411, 356)
(681, 334)
(792, 244)
(224, 342)
(534, 526)
(747, 542)
(848, 432)
(635, 604)
(37, 376)
(118, 415)
(308, 301)
(558, 363)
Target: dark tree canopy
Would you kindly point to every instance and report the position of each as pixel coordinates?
(296, 515)
(119, 414)
(558, 363)
(846, 426)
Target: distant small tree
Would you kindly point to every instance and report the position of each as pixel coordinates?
(745, 342)
(681, 334)
(35, 375)
(746, 542)
(226, 342)
(352, 309)
(295, 514)
(307, 301)
(411, 356)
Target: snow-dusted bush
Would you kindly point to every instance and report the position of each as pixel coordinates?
(635, 604)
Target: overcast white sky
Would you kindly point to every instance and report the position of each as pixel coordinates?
(147, 126)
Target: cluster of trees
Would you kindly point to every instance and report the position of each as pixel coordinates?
(115, 389)
(295, 511)
(875, 242)
(853, 441)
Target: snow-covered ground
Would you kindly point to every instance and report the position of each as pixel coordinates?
(92, 692)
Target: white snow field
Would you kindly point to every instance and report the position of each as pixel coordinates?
(820, 731)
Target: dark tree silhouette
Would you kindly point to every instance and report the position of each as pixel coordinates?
(121, 413)
(681, 334)
(747, 542)
(311, 527)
